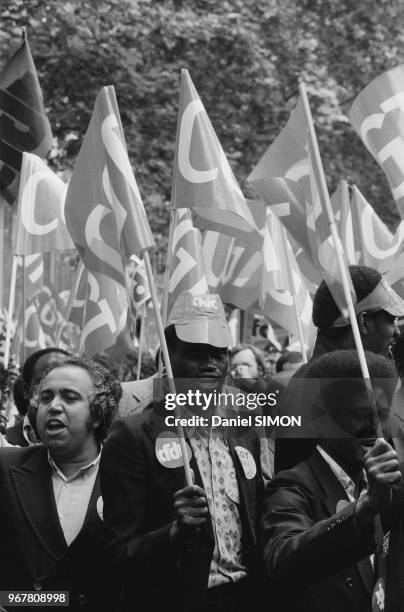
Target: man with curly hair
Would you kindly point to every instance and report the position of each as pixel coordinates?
(377, 308)
(51, 511)
(332, 526)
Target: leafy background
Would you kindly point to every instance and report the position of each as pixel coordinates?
(245, 58)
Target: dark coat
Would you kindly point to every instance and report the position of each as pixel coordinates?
(317, 558)
(34, 552)
(138, 494)
(15, 434)
(293, 445)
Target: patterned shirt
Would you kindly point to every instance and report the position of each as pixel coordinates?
(219, 481)
(72, 496)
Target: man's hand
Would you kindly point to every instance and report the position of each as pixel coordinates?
(381, 466)
(191, 510)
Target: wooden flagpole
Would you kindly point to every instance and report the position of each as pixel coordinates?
(325, 198)
(73, 291)
(2, 249)
(167, 362)
(292, 286)
(164, 299)
(11, 301)
(141, 341)
(24, 299)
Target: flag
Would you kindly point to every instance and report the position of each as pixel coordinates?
(41, 224)
(77, 312)
(342, 212)
(278, 291)
(282, 176)
(233, 323)
(377, 246)
(233, 269)
(203, 180)
(105, 314)
(366, 240)
(139, 290)
(24, 125)
(29, 336)
(104, 211)
(99, 310)
(282, 179)
(31, 267)
(288, 179)
(377, 115)
(322, 245)
(185, 262)
(50, 310)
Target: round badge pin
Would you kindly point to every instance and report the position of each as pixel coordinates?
(168, 450)
(100, 507)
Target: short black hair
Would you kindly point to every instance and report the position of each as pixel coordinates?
(106, 394)
(288, 357)
(325, 310)
(20, 399)
(28, 368)
(345, 365)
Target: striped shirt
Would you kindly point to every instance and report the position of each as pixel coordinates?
(72, 496)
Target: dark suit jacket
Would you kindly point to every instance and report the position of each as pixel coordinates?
(138, 496)
(34, 553)
(295, 445)
(316, 558)
(15, 435)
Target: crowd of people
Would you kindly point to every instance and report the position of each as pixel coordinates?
(94, 499)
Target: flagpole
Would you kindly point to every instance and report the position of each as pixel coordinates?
(24, 298)
(244, 331)
(2, 249)
(73, 292)
(167, 363)
(325, 198)
(141, 340)
(292, 285)
(11, 301)
(164, 298)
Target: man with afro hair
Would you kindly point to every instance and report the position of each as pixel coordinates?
(332, 530)
(377, 307)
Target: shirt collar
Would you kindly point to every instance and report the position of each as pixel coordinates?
(83, 471)
(345, 480)
(221, 409)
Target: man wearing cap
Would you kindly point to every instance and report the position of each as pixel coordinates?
(377, 307)
(180, 547)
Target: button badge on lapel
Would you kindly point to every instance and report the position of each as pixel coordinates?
(247, 462)
(100, 507)
(168, 450)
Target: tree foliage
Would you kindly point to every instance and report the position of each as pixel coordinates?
(245, 58)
